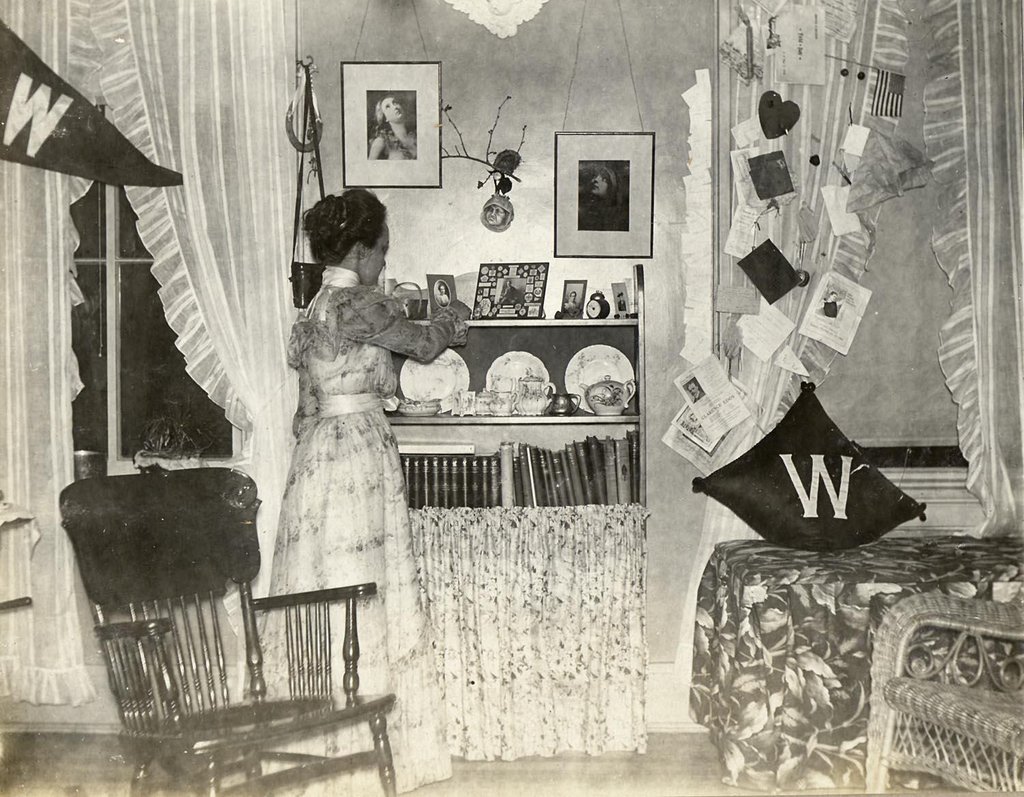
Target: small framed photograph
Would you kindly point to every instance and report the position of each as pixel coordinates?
(391, 124)
(510, 290)
(440, 291)
(574, 296)
(604, 194)
(621, 305)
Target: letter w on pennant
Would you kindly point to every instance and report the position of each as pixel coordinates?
(33, 109)
(819, 475)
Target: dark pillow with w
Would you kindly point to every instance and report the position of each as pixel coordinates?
(807, 486)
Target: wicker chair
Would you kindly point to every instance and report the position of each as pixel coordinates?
(947, 693)
(155, 553)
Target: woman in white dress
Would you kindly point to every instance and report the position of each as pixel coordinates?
(344, 516)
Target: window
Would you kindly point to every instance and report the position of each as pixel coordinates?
(137, 392)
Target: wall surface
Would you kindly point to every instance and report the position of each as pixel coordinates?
(437, 230)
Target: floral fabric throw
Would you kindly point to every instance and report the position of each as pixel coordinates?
(782, 649)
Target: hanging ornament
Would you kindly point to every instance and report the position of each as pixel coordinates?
(497, 213)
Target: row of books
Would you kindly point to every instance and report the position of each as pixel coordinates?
(590, 471)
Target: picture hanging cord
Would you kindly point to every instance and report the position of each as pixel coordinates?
(575, 63)
(362, 25)
(629, 62)
(419, 28)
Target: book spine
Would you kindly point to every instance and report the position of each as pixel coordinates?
(611, 481)
(530, 467)
(622, 470)
(575, 477)
(435, 481)
(507, 467)
(465, 501)
(495, 483)
(545, 485)
(475, 481)
(562, 490)
(517, 478)
(597, 468)
(634, 464)
(586, 474)
(445, 489)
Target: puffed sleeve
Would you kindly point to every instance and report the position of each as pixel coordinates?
(368, 316)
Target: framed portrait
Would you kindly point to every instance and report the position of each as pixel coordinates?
(621, 305)
(440, 291)
(510, 290)
(604, 194)
(574, 296)
(391, 124)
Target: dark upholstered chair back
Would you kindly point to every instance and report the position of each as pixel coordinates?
(163, 534)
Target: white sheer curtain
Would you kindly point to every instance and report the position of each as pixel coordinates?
(201, 86)
(880, 40)
(973, 131)
(41, 654)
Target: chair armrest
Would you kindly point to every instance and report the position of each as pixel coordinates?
(978, 617)
(134, 629)
(315, 596)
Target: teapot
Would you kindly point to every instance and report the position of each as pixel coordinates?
(532, 395)
(608, 396)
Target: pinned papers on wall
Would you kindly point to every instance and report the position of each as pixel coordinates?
(841, 18)
(715, 402)
(836, 197)
(686, 423)
(799, 52)
(770, 175)
(835, 311)
(743, 52)
(739, 299)
(770, 271)
(855, 139)
(746, 232)
(740, 159)
(764, 332)
(787, 360)
(747, 133)
(889, 167)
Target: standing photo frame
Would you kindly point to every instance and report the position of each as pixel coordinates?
(440, 291)
(604, 194)
(510, 290)
(391, 124)
(574, 296)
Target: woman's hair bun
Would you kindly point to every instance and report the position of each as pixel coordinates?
(339, 221)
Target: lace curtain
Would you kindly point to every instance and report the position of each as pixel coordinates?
(973, 132)
(201, 87)
(41, 654)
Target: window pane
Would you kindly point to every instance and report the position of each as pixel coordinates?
(90, 220)
(128, 241)
(88, 340)
(155, 389)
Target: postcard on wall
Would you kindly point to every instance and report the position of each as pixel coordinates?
(715, 402)
(685, 421)
(799, 52)
(765, 331)
(835, 311)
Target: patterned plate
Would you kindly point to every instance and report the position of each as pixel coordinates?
(512, 366)
(435, 380)
(594, 364)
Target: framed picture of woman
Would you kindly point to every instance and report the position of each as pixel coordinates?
(391, 124)
(440, 291)
(604, 194)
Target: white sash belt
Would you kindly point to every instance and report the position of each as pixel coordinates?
(346, 404)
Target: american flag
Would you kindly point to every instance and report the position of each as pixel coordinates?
(887, 94)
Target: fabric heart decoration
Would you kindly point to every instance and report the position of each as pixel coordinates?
(777, 117)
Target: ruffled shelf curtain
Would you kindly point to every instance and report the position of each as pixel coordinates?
(199, 86)
(41, 653)
(973, 133)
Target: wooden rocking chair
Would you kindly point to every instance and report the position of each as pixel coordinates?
(156, 552)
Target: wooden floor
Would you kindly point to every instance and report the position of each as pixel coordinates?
(41, 765)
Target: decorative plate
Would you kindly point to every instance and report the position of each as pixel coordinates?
(514, 365)
(435, 380)
(593, 364)
(419, 409)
